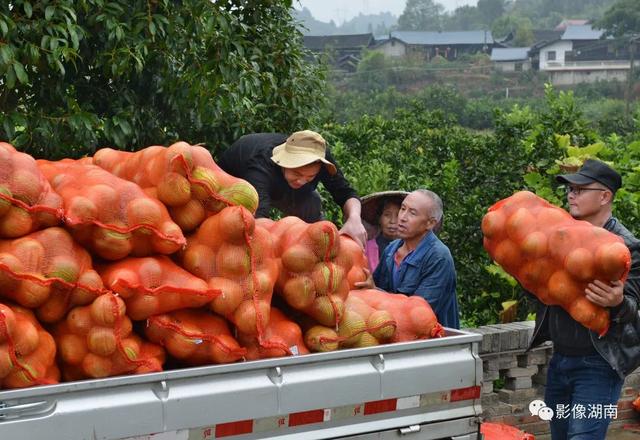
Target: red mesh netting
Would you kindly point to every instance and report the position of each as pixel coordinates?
(413, 316)
(285, 337)
(500, 431)
(315, 263)
(27, 351)
(48, 271)
(236, 257)
(111, 216)
(155, 285)
(184, 177)
(97, 341)
(553, 255)
(27, 202)
(195, 337)
(361, 326)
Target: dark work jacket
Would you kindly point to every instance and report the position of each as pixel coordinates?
(620, 346)
(250, 159)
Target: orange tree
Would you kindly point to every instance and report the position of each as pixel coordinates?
(80, 74)
(417, 148)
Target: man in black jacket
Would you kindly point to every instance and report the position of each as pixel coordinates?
(285, 171)
(586, 372)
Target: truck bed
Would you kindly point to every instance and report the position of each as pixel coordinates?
(425, 389)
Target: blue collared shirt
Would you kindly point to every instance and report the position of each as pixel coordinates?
(428, 271)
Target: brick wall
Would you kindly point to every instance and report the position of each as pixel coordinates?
(524, 376)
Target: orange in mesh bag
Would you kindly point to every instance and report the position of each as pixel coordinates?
(48, 271)
(111, 216)
(553, 255)
(361, 326)
(184, 177)
(27, 202)
(413, 315)
(353, 259)
(97, 341)
(155, 285)
(284, 336)
(27, 351)
(312, 278)
(195, 337)
(236, 257)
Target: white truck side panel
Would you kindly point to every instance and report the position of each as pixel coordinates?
(190, 403)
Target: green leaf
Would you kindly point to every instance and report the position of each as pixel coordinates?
(533, 180)
(28, 10)
(6, 54)
(563, 141)
(20, 73)
(48, 12)
(11, 78)
(496, 270)
(4, 28)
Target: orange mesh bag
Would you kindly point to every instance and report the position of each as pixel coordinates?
(364, 326)
(97, 341)
(500, 431)
(184, 177)
(312, 278)
(48, 271)
(413, 315)
(155, 285)
(195, 337)
(553, 255)
(111, 216)
(353, 259)
(27, 351)
(285, 337)
(235, 257)
(27, 202)
(361, 326)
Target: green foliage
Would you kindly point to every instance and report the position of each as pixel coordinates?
(420, 145)
(377, 72)
(421, 15)
(622, 19)
(420, 148)
(78, 75)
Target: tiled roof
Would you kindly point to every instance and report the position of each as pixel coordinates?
(441, 38)
(319, 42)
(582, 32)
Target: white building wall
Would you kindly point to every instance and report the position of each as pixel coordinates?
(571, 77)
(560, 48)
(510, 66)
(392, 48)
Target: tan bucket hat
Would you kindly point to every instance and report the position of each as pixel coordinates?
(302, 148)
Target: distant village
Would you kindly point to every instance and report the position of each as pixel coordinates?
(574, 52)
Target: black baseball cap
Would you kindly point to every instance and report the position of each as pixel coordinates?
(593, 171)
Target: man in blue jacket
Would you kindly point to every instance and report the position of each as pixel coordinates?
(418, 263)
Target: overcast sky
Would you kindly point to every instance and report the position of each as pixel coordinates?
(342, 10)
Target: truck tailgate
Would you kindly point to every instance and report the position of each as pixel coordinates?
(324, 395)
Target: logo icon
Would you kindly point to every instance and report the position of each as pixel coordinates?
(540, 409)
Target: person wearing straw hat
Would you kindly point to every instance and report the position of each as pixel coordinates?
(286, 171)
(380, 216)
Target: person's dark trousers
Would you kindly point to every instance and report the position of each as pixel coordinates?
(583, 392)
(305, 205)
